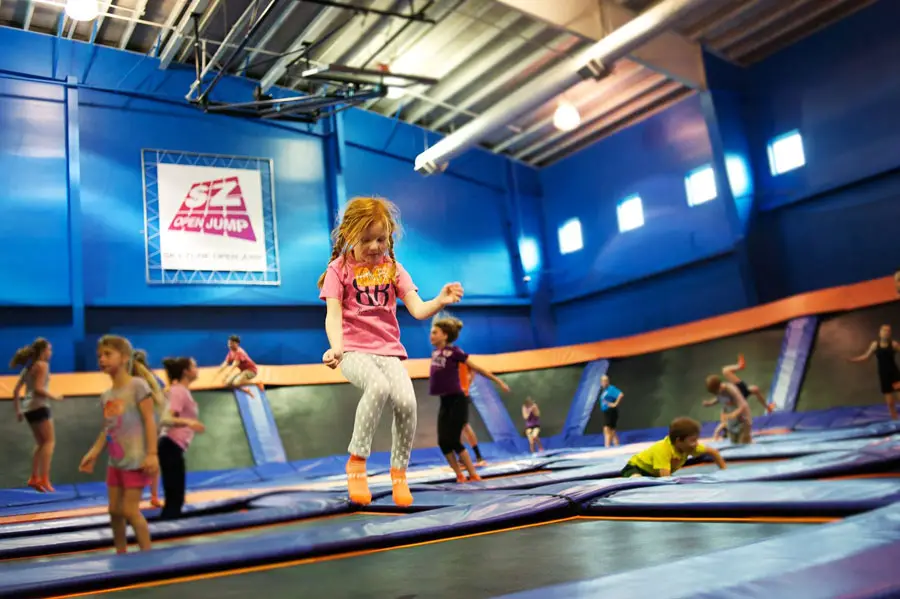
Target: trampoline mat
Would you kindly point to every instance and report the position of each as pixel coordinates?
(220, 537)
(480, 566)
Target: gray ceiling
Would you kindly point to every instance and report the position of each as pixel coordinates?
(478, 50)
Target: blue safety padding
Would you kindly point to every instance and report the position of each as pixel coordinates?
(328, 466)
(799, 335)
(492, 411)
(429, 500)
(585, 397)
(329, 538)
(758, 451)
(796, 497)
(776, 420)
(583, 491)
(830, 463)
(259, 424)
(303, 506)
(608, 469)
(78, 523)
(856, 557)
(217, 479)
(878, 429)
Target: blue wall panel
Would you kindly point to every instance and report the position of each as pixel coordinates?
(33, 196)
(278, 324)
(113, 203)
(841, 89)
(650, 159)
(453, 228)
(698, 291)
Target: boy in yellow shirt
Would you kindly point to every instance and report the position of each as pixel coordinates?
(670, 453)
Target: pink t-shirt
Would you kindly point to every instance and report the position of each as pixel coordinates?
(369, 304)
(181, 405)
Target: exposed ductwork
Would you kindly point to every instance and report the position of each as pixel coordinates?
(592, 62)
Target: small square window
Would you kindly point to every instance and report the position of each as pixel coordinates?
(701, 186)
(786, 153)
(630, 213)
(570, 237)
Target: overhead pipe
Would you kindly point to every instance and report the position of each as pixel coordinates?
(592, 62)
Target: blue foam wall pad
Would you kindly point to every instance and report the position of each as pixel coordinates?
(856, 557)
(795, 496)
(109, 570)
(305, 506)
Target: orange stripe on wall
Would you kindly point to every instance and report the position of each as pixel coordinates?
(835, 299)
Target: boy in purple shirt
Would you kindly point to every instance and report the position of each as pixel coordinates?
(450, 378)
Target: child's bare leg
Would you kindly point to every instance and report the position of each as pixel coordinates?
(467, 462)
(117, 519)
(451, 459)
(615, 437)
(131, 512)
(890, 400)
(540, 445)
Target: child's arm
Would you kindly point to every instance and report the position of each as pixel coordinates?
(485, 372)
(716, 456)
(615, 404)
(665, 472)
(422, 310)
(710, 402)
(151, 460)
(87, 462)
(867, 355)
(18, 389)
(525, 412)
(334, 329)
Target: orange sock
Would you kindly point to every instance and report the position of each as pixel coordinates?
(357, 481)
(741, 362)
(474, 477)
(45, 484)
(402, 496)
(460, 478)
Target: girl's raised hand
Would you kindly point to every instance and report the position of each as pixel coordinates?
(450, 294)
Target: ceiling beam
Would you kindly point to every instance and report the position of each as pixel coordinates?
(177, 37)
(670, 54)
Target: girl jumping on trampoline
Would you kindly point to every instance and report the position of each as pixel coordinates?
(885, 349)
(179, 423)
(361, 287)
(238, 359)
(34, 360)
(450, 379)
(732, 394)
(531, 413)
(141, 356)
(131, 408)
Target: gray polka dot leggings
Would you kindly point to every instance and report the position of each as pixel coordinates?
(381, 378)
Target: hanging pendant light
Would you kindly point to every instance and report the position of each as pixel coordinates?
(566, 117)
(82, 10)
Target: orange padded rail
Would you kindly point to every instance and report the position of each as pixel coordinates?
(836, 299)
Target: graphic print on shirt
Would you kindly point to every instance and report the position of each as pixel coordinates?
(112, 412)
(373, 287)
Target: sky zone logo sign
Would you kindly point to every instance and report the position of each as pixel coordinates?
(215, 208)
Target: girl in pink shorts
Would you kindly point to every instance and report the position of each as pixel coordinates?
(131, 409)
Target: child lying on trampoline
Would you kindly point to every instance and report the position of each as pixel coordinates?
(670, 453)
